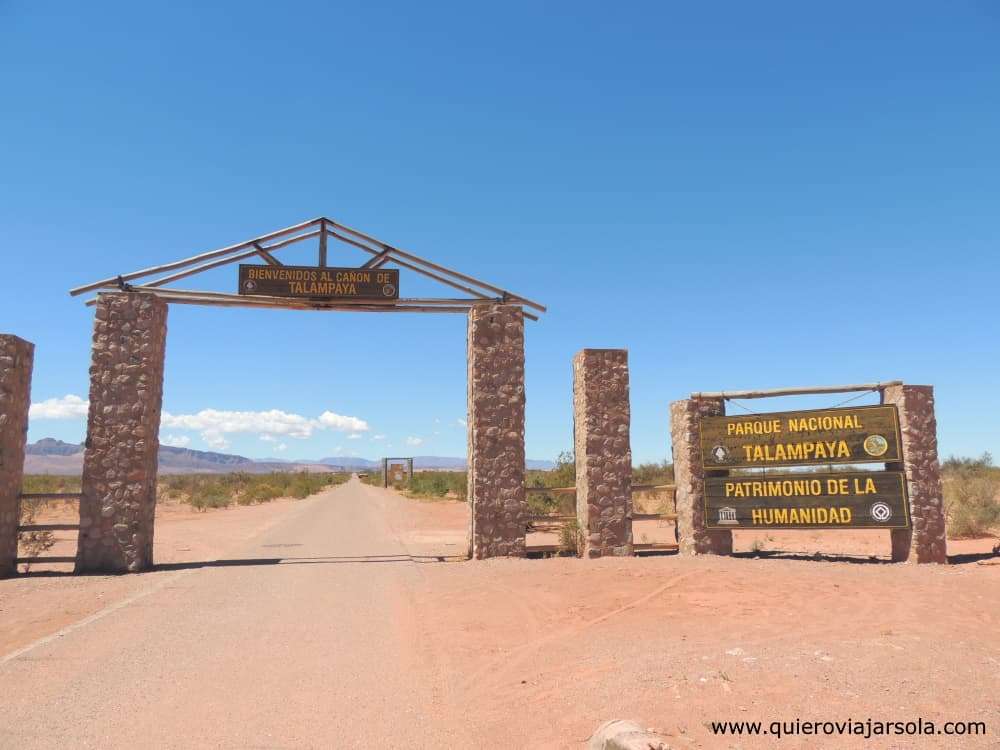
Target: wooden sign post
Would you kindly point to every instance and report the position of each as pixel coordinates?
(724, 480)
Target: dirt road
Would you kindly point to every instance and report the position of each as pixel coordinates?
(341, 621)
(302, 641)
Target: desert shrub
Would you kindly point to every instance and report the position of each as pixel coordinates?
(34, 543)
(259, 493)
(438, 484)
(49, 483)
(971, 489)
(204, 501)
(203, 491)
(653, 473)
(569, 537)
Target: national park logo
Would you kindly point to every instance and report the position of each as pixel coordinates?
(881, 512)
(876, 445)
(720, 454)
(249, 285)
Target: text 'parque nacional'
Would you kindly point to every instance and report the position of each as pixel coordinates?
(822, 436)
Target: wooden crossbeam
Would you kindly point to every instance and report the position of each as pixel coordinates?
(112, 281)
(231, 259)
(323, 228)
(50, 527)
(67, 496)
(263, 253)
(397, 253)
(378, 261)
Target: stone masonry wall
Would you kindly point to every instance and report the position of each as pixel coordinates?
(601, 422)
(16, 360)
(689, 476)
(119, 467)
(496, 431)
(925, 541)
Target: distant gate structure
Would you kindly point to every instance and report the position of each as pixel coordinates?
(126, 377)
(397, 470)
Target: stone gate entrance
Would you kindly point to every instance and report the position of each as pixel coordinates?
(117, 508)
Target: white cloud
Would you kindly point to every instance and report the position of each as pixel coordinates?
(376, 438)
(281, 447)
(273, 421)
(175, 441)
(67, 407)
(214, 424)
(342, 423)
(354, 436)
(414, 441)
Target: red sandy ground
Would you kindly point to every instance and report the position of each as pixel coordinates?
(671, 642)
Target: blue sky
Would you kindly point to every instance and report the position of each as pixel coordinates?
(743, 195)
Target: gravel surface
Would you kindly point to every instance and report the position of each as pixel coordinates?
(346, 620)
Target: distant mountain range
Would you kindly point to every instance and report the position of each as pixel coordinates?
(51, 456)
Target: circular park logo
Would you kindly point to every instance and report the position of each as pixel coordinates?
(720, 454)
(876, 445)
(881, 512)
(388, 290)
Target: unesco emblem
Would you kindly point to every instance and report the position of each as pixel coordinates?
(720, 454)
(727, 517)
(876, 445)
(881, 512)
(249, 285)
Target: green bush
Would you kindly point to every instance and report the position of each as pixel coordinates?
(569, 537)
(210, 500)
(438, 484)
(971, 489)
(653, 473)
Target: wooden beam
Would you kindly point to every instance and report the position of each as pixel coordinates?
(193, 259)
(231, 259)
(271, 260)
(220, 299)
(417, 259)
(50, 527)
(25, 560)
(322, 244)
(310, 301)
(67, 496)
(436, 277)
(799, 391)
(377, 261)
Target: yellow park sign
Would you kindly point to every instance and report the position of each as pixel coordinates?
(815, 437)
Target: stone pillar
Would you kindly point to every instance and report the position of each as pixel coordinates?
(16, 359)
(601, 420)
(925, 541)
(496, 431)
(689, 476)
(119, 466)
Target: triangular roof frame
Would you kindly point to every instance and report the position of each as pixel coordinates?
(323, 228)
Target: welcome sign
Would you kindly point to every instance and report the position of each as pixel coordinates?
(801, 438)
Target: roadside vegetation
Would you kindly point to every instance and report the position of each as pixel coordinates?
(971, 496)
(201, 491)
(427, 485)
